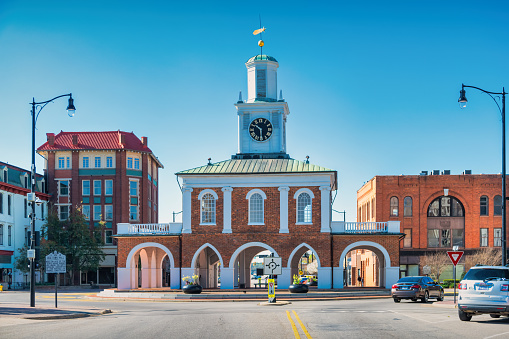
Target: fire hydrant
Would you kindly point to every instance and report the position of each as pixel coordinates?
(1, 287)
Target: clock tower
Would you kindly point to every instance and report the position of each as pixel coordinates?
(262, 117)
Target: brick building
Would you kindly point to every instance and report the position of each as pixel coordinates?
(112, 176)
(259, 200)
(436, 212)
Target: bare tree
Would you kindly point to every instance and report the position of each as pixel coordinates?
(485, 256)
(437, 262)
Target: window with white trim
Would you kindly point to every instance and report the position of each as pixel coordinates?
(63, 187)
(9, 204)
(136, 163)
(108, 212)
(108, 187)
(208, 209)
(63, 212)
(109, 162)
(1, 234)
(85, 210)
(108, 237)
(61, 162)
(9, 235)
(97, 212)
(97, 162)
(85, 162)
(394, 206)
(133, 215)
(304, 208)
(1, 203)
(97, 187)
(129, 162)
(85, 187)
(68, 162)
(256, 207)
(133, 188)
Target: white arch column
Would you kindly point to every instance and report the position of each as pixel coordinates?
(227, 209)
(186, 210)
(325, 210)
(283, 210)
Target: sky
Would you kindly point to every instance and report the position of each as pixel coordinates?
(372, 86)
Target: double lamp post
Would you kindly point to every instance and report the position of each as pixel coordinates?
(463, 103)
(36, 110)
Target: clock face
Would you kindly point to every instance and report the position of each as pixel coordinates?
(260, 129)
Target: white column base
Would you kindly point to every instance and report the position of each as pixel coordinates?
(391, 276)
(285, 279)
(324, 276)
(227, 278)
(338, 277)
(124, 278)
(174, 278)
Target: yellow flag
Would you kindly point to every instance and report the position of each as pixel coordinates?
(258, 31)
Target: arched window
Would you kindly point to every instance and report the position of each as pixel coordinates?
(304, 208)
(407, 207)
(497, 205)
(394, 206)
(443, 231)
(256, 209)
(207, 207)
(484, 205)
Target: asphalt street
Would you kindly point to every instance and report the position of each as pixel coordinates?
(362, 318)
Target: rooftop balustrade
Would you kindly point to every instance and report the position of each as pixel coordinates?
(365, 227)
(148, 229)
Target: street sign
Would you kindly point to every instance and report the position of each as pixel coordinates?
(31, 254)
(272, 290)
(455, 256)
(272, 265)
(55, 263)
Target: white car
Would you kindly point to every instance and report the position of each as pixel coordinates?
(484, 290)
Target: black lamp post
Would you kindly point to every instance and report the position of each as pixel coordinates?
(463, 103)
(36, 110)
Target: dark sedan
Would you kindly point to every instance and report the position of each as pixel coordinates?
(416, 288)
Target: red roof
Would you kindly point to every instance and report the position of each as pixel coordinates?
(113, 140)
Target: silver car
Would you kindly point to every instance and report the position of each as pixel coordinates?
(484, 290)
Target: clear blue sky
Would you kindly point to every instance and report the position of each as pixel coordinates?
(372, 86)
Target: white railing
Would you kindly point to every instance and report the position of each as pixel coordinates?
(365, 227)
(144, 229)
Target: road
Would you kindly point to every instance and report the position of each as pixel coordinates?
(362, 318)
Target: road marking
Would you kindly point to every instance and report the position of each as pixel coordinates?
(295, 332)
(302, 325)
(496, 335)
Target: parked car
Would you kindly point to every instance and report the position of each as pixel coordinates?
(417, 288)
(484, 290)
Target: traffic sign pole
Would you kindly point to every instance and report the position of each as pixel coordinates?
(455, 257)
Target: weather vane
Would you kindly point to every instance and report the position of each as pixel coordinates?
(260, 31)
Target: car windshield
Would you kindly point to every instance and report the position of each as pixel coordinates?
(410, 279)
(484, 273)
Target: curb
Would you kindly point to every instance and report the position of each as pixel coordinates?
(69, 316)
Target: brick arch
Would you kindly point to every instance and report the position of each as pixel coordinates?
(299, 247)
(202, 247)
(464, 201)
(145, 245)
(247, 245)
(367, 245)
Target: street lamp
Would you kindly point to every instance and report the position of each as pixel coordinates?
(463, 104)
(36, 110)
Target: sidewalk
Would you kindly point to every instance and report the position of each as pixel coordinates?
(23, 311)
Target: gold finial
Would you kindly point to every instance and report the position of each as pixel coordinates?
(260, 31)
(261, 43)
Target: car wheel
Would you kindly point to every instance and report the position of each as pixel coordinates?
(425, 298)
(397, 300)
(441, 297)
(464, 316)
(495, 315)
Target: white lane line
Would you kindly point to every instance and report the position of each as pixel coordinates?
(416, 318)
(496, 335)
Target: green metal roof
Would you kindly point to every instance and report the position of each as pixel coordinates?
(256, 166)
(262, 57)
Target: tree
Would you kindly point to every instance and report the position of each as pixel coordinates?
(437, 261)
(22, 261)
(484, 256)
(81, 245)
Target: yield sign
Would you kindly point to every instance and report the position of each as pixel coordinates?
(455, 256)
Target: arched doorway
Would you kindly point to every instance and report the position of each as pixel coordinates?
(144, 267)
(303, 262)
(362, 268)
(238, 273)
(207, 264)
(387, 274)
